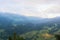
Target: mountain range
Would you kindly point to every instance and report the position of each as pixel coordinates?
(21, 24)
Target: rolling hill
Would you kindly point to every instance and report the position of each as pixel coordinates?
(20, 24)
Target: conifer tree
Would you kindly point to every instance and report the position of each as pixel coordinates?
(15, 37)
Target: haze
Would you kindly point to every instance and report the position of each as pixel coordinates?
(36, 8)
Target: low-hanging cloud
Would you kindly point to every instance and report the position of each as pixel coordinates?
(38, 8)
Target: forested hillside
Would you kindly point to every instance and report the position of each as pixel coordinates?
(30, 28)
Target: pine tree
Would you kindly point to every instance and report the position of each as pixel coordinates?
(15, 37)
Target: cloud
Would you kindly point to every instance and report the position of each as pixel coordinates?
(53, 9)
(38, 8)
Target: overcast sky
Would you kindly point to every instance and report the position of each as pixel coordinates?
(37, 8)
